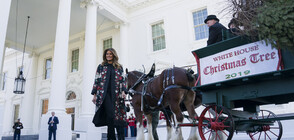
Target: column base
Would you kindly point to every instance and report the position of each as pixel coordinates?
(27, 131)
(63, 131)
(86, 129)
(1, 133)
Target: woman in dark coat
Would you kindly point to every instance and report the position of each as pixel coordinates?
(109, 93)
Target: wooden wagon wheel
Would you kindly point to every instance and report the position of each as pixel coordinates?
(216, 123)
(267, 131)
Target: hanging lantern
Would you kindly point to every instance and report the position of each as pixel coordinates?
(19, 84)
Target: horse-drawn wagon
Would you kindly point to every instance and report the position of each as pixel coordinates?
(238, 73)
(235, 77)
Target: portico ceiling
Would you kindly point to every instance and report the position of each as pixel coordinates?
(43, 21)
(130, 4)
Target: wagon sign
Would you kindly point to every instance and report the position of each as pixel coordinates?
(245, 60)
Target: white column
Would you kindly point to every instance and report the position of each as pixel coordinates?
(7, 118)
(59, 76)
(4, 14)
(2, 109)
(124, 45)
(27, 106)
(84, 123)
(59, 72)
(90, 57)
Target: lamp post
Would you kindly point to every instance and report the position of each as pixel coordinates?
(20, 81)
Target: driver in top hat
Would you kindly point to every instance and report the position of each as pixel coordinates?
(215, 29)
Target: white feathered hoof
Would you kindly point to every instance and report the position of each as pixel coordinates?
(194, 134)
(177, 134)
(169, 133)
(150, 135)
(140, 133)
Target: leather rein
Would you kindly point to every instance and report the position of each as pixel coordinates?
(132, 91)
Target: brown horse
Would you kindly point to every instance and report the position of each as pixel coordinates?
(168, 89)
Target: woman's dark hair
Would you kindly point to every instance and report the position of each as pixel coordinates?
(234, 22)
(115, 58)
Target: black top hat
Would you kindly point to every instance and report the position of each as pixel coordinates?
(209, 17)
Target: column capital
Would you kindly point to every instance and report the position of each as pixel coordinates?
(85, 3)
(82, 37)
(34, 54)
(117, 25)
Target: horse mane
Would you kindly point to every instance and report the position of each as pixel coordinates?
(136, 73)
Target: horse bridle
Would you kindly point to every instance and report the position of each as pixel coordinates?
(132, 89)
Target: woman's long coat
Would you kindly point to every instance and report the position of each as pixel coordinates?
(100, 88)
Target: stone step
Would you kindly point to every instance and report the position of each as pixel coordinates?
(22, 137)
(127, 138)
(104, 137)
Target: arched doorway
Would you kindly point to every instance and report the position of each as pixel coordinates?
(70, 107)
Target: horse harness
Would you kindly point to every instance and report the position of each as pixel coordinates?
(145, 81)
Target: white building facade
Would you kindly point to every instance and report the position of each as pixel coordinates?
(59, 67)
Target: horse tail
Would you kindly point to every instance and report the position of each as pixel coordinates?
(189, 74)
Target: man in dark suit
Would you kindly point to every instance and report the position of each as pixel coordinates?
(52, 122)
(17, 127)
(215, 29)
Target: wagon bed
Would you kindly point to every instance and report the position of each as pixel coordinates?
(275, 87)
(233, 88)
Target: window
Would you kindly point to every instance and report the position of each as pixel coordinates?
(158, 36)
(4, 76)
(48, 64)
(107, 43)
(44, 106)
(16, 113)
(75, 60)
(200, 28)
(71, 96)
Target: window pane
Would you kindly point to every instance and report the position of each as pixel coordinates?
(4, 81)
(107, 43)
(44, 106)
(200, 28)
(204, 13)
(202, 35)
(48, 64)
(158, 36)
(75, 60)
(71, 96)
